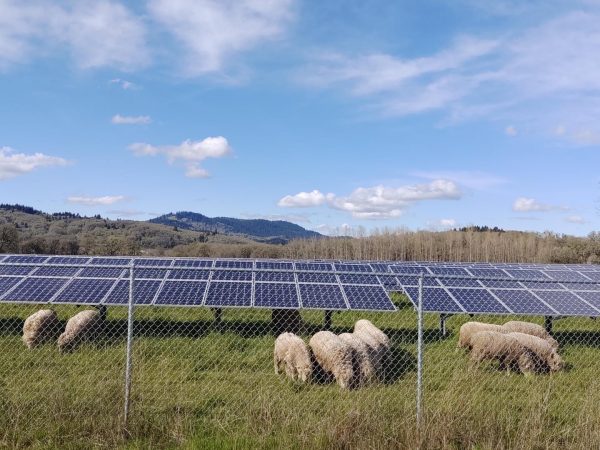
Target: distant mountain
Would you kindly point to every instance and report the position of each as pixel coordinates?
(271, 231)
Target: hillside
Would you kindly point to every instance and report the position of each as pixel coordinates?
(270, 231)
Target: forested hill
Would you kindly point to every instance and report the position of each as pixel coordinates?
(268, 230)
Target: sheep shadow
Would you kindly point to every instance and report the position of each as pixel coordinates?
(584, 338)
(398, 363)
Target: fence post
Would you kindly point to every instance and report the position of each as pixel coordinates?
(128, 362)
(420, 353)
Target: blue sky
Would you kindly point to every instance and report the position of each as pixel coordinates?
(426, 114)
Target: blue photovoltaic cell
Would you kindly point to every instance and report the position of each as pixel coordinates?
(102, 272)
(489, 273)
(459, 282)
(155, 274)
(143, 292)
(454, 271)
(67, 260)
(35, 290)
(228, 264)
(110, 262)
(411, 280)
(523, 274)
(49, 271)
(228, 294)
(371, 298)
(565, 275)
(16, 270)
(189, 274)
(582, 286)
(193, 263)
(153, 262)
(7, 282)
(86, 290)
(352, 267)
(232, 275)
(276, 295)
(181, 293)
(477, 301)
(409, 270)
(434, 300)
(274, 265)
(275, 276)
(351, 278)
(323, 296)
(389, 282)
(542, 285)
(523, 302)
(502, 284)
(567, 303)
(591, 297)
(380, 268)
(592, 275)
(319, 267)
(317, 278)
(25, 259)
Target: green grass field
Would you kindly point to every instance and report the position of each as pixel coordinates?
(198, 386)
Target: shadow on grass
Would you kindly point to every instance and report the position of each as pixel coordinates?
(584, 338)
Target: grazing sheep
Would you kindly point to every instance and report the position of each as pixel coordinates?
(533, 329)
(549, 359)
(367, 326)
(335, 357)
(377, 342)
(469, 329)
(292, 356)
(503, 348)
(80, 327)
(40, 327)
(364, 358)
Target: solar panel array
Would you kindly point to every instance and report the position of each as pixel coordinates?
(450, 288)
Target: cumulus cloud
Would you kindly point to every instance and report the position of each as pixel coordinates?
(377, 202)
(212, 31)
(96, 201)
(118, 119)
(13, 164)
(189, 153)
(472, 179)
(101, 33)
(305, 199)
(525, 204)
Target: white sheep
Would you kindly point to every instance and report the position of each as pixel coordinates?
(335, 357)
(40, 327)
(80, 327)
(292, 355)
(549, 359)
(532, 329)
(377, 342)
(469, 329)
(503, 348)
(364, 358)
(367, 326)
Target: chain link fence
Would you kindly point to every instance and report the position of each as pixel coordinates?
(204, 377)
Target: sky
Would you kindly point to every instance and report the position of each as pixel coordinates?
(337, 115)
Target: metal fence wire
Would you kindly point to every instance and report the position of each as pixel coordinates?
(289, 378)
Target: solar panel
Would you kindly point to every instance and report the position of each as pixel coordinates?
(368, 298)
(523, 302)
(324, 296)
(68, 260)
(434, 300)
(232, 275)
(233, 264)
(275, 276)
(340, 267)
(56, 271)
(25, 259)
(188, 293)
(16, 270)
(274, 265)
(478, 301)
(101, 272)
(352, 278)
(176, 274)
(143, 292)
(228, 294)
(193, 263)
(317, 278)
(276, 295)
(319, 267)
(8, 282)
(85, 290)
(34, 290)
(567, 303)
(110, 261)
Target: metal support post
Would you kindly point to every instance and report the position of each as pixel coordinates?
(548, 323)
(128, 363)
(443, 329)
(420, 353)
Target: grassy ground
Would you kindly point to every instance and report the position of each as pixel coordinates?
(196, 386)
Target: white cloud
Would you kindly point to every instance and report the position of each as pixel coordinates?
(305, 199)
(510, 130)
(213, 31)
(472, 179)
(377, 202)
(524, 204)
(118, 119)
(332, 230)
(13, 164)
(442, 224)
(189, 152)
(95, 201)
(576, 219)
(124, 84)
(101, 33)
(540, 75)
